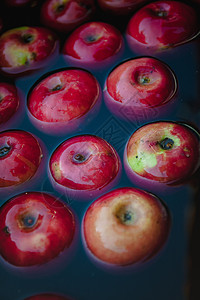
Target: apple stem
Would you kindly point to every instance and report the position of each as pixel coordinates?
(57, 88)
(166, 144)
(29, 221)
(4, 151)
(27, 38)
(161, 13)
(79, 158)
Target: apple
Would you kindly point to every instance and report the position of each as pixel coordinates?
(47, 297)
(140, 87)
(120, 7)
(162, 153)
(34, 228)
(66, 15)
(9, 101)
(61, 101)
(94, 44)
(125, 226)
(20, 157)
(85, 164)
(161, 25)
(26, 48)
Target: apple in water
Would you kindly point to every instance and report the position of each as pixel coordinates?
(140, 87)
(34, 228)
(9, 101)
(61, 101)
(47, 297)
(94, 44)
(120, 7)
(20, 157)
(26, 48)
(162, 153)
(66, 15)
(85, 164)
(125, 226)
(161, 25)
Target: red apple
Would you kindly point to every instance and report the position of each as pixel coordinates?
(65, 15)
(125, 226)
(61, 101)
(47, 297)
(34, 228)
(94, 45)
(161, 25)
(26, 48)
(120, 7)
(85, 163)
(140, 87)
(162, 153)
(20, 157)
(9, 101)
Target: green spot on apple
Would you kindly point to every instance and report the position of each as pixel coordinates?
(142, 161)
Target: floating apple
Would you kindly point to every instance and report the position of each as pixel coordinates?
(120, 7)
(94, 44)
(125, 226)
(34, 228)
(9, 101)
(162, 153)
(63, 100)
(85, 163)
(161, 25)
(26, 48)
(140, 87)
(65, 15)
(47, 297)
(20, 157)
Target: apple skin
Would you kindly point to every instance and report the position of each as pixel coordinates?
(125, 226)
(34, 228)
(63, 100)
(94, 44)
(162, 153)
(161, 25)
(65, 16)
(9, 101)
(26, 48)
(85, 166)
(47, 297)
(20, 157)
(120, 7)
(142, 87)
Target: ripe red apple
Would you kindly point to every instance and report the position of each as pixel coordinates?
(125, 226)
(94, 45)
(85, 165)
(60, 102)
(9, 101)
(162, 153)
(65, 15)
(20, 157)
(161, 25)
(34, 228)
(140, 87)
(26, 48)
(47, 297)
(120, 7)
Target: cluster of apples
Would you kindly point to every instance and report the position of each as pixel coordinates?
(123, 226)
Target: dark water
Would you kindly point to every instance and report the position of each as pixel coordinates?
(167, 275)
